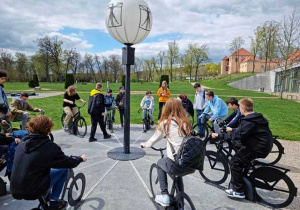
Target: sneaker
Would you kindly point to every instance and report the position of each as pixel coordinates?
(92, 139)
(163, 200)
(152, 123)
(58, 205)
(231, 193)
(65, 127)
(107, 136)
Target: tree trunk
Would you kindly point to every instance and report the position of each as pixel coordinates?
(253, 64)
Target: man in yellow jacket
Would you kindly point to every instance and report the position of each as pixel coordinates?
(163, 94)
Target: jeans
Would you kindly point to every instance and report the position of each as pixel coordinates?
(239, 162)
(121, 116)
(199, 112)
(166, 165)
(150, 114)
(58, 179)
(113, 112)
(95, 120)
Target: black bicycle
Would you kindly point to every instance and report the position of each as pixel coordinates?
(146, 121)
(109, 122)
(264, 183)
(179, 199)
(77, 125)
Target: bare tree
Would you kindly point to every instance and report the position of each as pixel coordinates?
(287, 41)
(161, 58)
(172, 56)
(115, 65)
(21, 67)
(189, 58)
(52, 47)
(256, 44)
(99, 66)
(268, 32)
(89, 64)
(105, 67)
(71, 59)
(201, 57)
(235, 45)
(6, 60)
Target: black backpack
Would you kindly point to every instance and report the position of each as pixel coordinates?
(191, 153)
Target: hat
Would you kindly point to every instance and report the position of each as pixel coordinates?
(182, 97)
(109, 90)
(121, 87)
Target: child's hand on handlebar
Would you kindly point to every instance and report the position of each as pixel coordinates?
(143, 145)
(84, 158)
(214, 135)
(228, 129)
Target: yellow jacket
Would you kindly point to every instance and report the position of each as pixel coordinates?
(166, 93)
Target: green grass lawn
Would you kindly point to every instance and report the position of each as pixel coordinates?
(283, 115)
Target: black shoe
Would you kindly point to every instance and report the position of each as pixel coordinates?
(113, 119)
(92, 139)
(58, 205)
(107, 136)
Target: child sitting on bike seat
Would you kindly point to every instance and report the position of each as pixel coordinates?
(257, 141)
(233, 119)
(173, 110)
(109, 103)
(147, 103)
(40, 165)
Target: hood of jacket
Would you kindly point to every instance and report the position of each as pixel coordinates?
(34, 141)
(94, 92)
(256, 118)
(18, 99)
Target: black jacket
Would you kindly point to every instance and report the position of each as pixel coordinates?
(120, 100)
(188, 106)
(34, 158)
(254, 133)
(96, 103)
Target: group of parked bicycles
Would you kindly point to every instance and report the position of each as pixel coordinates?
(265, 182)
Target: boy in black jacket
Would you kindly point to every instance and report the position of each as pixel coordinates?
(257, 141)
(40, 164)
(97, 111)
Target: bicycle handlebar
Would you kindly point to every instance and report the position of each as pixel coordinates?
(160, 149)
(79, 107)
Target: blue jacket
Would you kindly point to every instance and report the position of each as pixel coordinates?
(218, 108)
(233, 118)
(109, 100)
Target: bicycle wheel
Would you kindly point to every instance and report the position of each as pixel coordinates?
(276, 153)
(203, 130)
(81, 126)
(154, 185)
(76, 189)
(215, 168)
(183, 201)
(62, 119)
(273, 187)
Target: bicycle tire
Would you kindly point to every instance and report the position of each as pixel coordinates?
(277, 148)
(71, 200)
(227, 151)
(186, 200)
(195, 128)
(154, 185)
(80, 123)
(62, 119)
(221, 169)
(271, 175)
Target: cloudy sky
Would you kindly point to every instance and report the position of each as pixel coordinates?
(81, 24)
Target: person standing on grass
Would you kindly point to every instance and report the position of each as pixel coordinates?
(199, 104)
(163, 94)
(97, 111)
(69, 104)
(120, 100)
(3, 100)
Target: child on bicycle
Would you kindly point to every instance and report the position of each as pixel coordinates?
(109, 103)
(147, 103)
(257, 142)
(69, 104)
(172, 122)
(41, 165)
(232, 120)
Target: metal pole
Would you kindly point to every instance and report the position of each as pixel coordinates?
(127, 112)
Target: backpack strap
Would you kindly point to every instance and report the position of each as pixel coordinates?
(178, 126)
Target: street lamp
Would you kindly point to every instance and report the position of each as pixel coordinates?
(128, 22)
